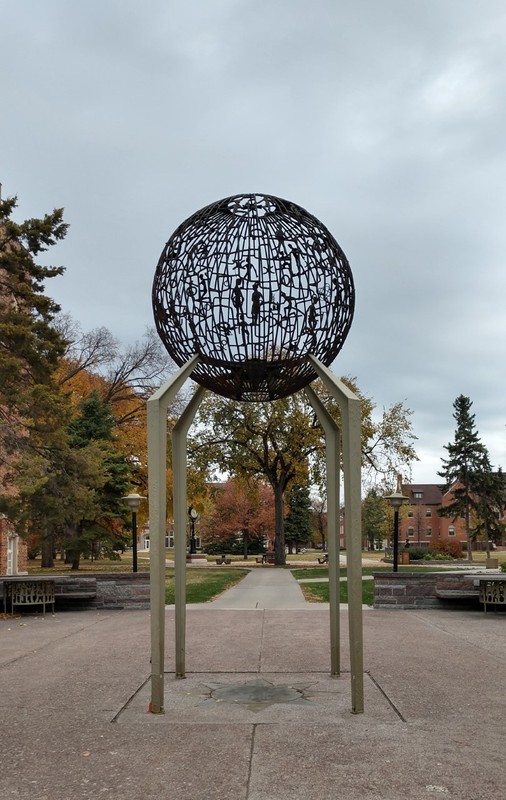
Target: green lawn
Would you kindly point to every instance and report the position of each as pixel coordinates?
(203, 584)
(319, 592)
(123, 564)
(323, 572)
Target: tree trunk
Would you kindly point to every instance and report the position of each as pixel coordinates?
(279, 539)
(47, 553)
(245, 540)
(75, 561)
(468, 534)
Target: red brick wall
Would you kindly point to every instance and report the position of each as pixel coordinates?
(22, 561)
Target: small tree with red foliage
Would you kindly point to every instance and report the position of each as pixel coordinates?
(448, 547)
(243, 514)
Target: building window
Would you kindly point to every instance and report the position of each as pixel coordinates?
(428, 533)
(411, 532)
(451, 531)
(411, 513)
(428, 512)
(418, 495)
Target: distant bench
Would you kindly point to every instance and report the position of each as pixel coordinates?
(223, 560)
(267, 558)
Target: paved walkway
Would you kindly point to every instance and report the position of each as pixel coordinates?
(258, 717)
(270, 587)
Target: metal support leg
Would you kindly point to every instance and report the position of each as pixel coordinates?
(333, 455)
(350, 408)
(157, 406)
(179, 436)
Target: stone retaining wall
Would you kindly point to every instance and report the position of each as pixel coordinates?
(107, 590)
(123, 590)
(419, 589)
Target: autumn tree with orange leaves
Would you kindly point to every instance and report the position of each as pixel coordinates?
(242, 518)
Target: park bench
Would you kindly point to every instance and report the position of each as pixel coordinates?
(36, 590)
(324, 559)
(28, 592)
(464, 590)
(267, 558)
(223, 560)
(492, 590)
(456, 594)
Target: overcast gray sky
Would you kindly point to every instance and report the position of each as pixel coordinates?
(384, 118)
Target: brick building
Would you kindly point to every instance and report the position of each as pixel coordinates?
(13, 550)
(420, 523)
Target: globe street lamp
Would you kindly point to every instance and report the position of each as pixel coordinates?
(133, 501)
(396, 500)
(193, 514)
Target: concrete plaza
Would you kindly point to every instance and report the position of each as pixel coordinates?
(258, 717)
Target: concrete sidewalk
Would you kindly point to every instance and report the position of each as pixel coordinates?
(271, 587)
(74, 691)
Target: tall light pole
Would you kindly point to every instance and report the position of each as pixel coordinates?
(193, 514)
(396, 500)
(133, 501)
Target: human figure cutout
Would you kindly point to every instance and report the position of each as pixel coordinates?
(257, 302)
(238, 300)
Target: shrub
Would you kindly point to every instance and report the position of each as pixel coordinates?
(448, 548)
(417, 553)
(503, 566)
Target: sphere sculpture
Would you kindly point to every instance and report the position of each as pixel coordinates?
(253, 284)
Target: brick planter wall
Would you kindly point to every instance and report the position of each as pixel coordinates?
(123, 590)
(102, 590)
(405, 590)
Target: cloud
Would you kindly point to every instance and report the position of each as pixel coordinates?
(385, 120)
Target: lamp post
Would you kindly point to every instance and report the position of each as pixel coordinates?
(396, 500)
(193, 514)
(133, 501)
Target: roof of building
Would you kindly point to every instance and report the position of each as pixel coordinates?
(431, 493)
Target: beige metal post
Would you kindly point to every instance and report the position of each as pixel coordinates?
(157, 470)
(350, 408)
(333, 455)
(179, 462)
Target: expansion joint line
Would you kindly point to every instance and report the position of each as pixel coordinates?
(261, 642)
(251, 755)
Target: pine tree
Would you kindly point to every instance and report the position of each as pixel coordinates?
(490, 506)
(298, 521)
(92, 432)
(374, 519)
(33, 410)
(30, 345)
(466, 468)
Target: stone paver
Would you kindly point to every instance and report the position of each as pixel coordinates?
(270, 587)
(75, 726)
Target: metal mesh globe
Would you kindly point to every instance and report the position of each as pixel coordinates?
(253, 284)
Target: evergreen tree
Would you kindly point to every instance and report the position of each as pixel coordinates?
(298, 521)
(92, 432)
(30, 344)
(490, 506)
(467, 468)
(374, 519)
(33, 410)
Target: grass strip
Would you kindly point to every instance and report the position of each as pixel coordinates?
(203, 584)
(319, 592)
(323, 572)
